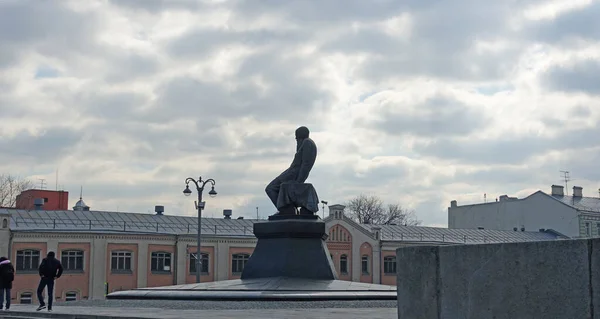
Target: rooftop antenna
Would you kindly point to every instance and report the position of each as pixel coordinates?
(42, 183)
(485, 198)
(566, 178)
(257, 213)
(81, 193)
(57, 179)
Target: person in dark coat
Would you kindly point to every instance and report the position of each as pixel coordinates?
(49, 269)
(7, 276)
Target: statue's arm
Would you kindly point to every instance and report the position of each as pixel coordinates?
(309, 155)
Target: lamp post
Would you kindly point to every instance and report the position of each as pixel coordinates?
(199, 206)
(324, 203)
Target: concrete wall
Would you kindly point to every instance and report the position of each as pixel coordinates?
(533, 212)
(553, 279)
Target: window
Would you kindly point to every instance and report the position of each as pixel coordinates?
(120, 261)
(344, 264)
(160, 261)
(45, 199)
(238, 262)
(598, 228)
(587, 229)
(389, 265)
(5, 223)
(71, 296)
(364, 261)
(26, 298)
(28, 260)
(203, 261)
(72, 260)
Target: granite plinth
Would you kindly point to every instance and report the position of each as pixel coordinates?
(293, 217)
(290, 248)
(265, 289)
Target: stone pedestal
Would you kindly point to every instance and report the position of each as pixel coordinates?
(293, 247)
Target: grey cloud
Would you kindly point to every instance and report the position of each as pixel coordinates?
(581, 111)
(576, 24)
(582, 77)
(444, 33)
(130, 67)
(52, 144)
(47, 25)
(441, 116)
(157, 6)
(508, 150)
(290, 97)
(203, 42)
(319, 13)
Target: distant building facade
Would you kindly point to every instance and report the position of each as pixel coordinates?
(42, 199)
(574, 216)
(103, 252)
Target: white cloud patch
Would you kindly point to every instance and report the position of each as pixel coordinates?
(419, 102)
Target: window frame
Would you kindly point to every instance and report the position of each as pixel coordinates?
(236, 259)
(160, 256)
(71, 292)
(203, 257)
(387, 260)
(33, 265)
(67, 263)
(364, 259)
(24, 294)
(127, 254)
(344, 258)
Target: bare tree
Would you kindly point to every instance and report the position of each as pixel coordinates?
(10, 187)
(371, 210)
(396, 214)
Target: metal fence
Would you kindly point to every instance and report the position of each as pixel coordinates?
(124, 226)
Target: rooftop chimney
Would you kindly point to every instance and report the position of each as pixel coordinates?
(558, 190)
(38, 203)
(159, 210)
(577, 191)
(453, 203)
(227, 213)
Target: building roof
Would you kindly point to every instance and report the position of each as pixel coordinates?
(468, 236)
(588, 204)
(101, 221)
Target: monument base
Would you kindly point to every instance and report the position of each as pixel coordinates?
(264, 289)
(291, 247)
(291, 262)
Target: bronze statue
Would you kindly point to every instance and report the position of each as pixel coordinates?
(288, 190)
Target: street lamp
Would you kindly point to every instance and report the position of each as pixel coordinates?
(324, 203)
(199, 206)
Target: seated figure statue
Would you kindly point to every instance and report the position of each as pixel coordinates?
(288, 190)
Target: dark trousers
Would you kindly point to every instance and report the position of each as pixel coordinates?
(5, 292)
(274, 186)
(49, 282)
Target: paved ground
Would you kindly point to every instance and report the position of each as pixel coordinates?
(103, 309)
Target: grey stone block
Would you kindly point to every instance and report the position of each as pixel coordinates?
(594, 254)
(417, 282)
(548, 279)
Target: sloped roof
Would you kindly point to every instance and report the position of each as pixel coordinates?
(469, 236)
(588, 204)
(69, 220)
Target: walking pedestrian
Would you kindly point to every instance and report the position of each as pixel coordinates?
(50, 269)
(7, 275)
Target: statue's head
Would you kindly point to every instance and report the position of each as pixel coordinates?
(302, 133)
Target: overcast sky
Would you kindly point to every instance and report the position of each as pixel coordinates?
(418, 102)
